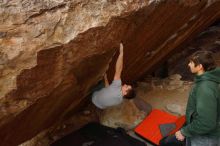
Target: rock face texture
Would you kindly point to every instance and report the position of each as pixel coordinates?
(53, 51)
(208, 40)
(126, 115)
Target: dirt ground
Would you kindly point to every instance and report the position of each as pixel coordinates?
(173, 101)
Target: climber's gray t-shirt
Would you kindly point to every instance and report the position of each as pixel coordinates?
(108, 96)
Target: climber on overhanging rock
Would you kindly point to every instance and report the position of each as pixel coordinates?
(109, 95)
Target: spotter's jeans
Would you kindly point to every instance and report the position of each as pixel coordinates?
(202, 141)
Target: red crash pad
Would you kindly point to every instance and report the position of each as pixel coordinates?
(149, 127)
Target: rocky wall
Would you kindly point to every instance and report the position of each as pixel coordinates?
(53, 51)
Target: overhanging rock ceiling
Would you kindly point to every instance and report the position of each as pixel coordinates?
(53, 51)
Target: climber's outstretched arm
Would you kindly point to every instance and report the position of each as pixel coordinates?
(119, 64)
